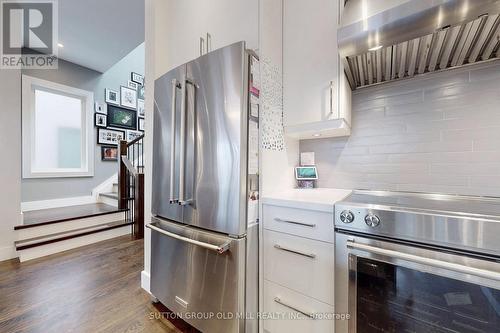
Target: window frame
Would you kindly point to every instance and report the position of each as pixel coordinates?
(29, 84)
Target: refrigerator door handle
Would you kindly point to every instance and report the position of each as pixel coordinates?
(220, 249)
(182, 167)
(182, 177)
(175, 86)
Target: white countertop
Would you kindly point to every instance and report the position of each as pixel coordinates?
(320, 199)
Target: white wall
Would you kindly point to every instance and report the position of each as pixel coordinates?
(10, 168)
(437, 133)
(152, 46)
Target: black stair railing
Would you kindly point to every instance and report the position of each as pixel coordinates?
(131, 183)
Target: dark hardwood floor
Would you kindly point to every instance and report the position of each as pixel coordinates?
(91, 289)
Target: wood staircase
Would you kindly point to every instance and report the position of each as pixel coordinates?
(118, 213)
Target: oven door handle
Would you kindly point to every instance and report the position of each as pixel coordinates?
(425, 261)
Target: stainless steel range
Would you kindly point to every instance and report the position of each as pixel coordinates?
(408, 262)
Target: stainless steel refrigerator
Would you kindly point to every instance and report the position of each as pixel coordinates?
(204, 250)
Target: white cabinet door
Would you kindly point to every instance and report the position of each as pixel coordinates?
(310, 59)
(178, 31)
(183, 23)
(231, 21)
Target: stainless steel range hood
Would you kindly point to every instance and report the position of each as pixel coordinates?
(381, 41)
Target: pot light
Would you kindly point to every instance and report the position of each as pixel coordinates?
(375, 48)
(317, 135)
(61, 45)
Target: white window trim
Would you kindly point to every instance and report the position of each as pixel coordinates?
(28, 127)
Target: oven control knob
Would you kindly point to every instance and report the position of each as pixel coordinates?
(346, 216)
(372, 220)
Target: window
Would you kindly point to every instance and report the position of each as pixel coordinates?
(57, 130)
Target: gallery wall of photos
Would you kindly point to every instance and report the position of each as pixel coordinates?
(120, 117)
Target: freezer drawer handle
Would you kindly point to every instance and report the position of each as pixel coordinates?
(309, 255)
(425, 261)
(219, 249)
(277, 219)
(308, 314)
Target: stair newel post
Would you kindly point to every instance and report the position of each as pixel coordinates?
(122, 177)
(139, 207)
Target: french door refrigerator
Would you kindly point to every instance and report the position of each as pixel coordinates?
(204, 239)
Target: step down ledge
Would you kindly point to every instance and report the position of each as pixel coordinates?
(69, 218)
(67, 226)
(60, 236)
(64, 245)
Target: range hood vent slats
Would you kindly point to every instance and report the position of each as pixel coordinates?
(451, 40)
(437, 50)
(493, 42)
(473, 41)
(486, 32)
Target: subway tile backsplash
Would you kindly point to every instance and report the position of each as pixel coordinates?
(438, 133)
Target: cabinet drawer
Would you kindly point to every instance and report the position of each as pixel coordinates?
(300, 222)
(301, 264)
(288, 305)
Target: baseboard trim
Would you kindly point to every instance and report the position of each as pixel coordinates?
(146, 281)
(55, 203)
(7, 253)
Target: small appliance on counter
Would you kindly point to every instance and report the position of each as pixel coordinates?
(306, 174)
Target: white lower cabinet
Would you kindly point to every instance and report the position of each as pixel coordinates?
(301, 264)
(298, 257)
(289, 312)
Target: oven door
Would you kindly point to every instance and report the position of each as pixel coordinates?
(389, 287)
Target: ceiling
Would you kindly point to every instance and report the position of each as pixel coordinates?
(98, 33)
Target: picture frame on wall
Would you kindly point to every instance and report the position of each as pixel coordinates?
(138, 78)
(128, 97)
(140, 92)
(140, 125)
(106, 136)
(133, 85)
(100, 120)
(111, 96)
(140, 108)
(100, 107)
(132, 135)
(121, 118)
(109, 153)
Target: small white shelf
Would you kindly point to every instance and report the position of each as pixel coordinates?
(319, 129)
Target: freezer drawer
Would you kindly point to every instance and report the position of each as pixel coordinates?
(199, 275)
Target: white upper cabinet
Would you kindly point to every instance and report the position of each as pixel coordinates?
(316, 95)
(227, 22)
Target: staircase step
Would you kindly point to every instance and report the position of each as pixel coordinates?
(42, 217)
(111, 195)
(63, 236)
(38, 247)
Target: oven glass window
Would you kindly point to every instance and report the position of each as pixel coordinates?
(398, 300)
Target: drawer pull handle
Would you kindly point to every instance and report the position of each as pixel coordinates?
(308, 314)
(309, 255)
(277, 219)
